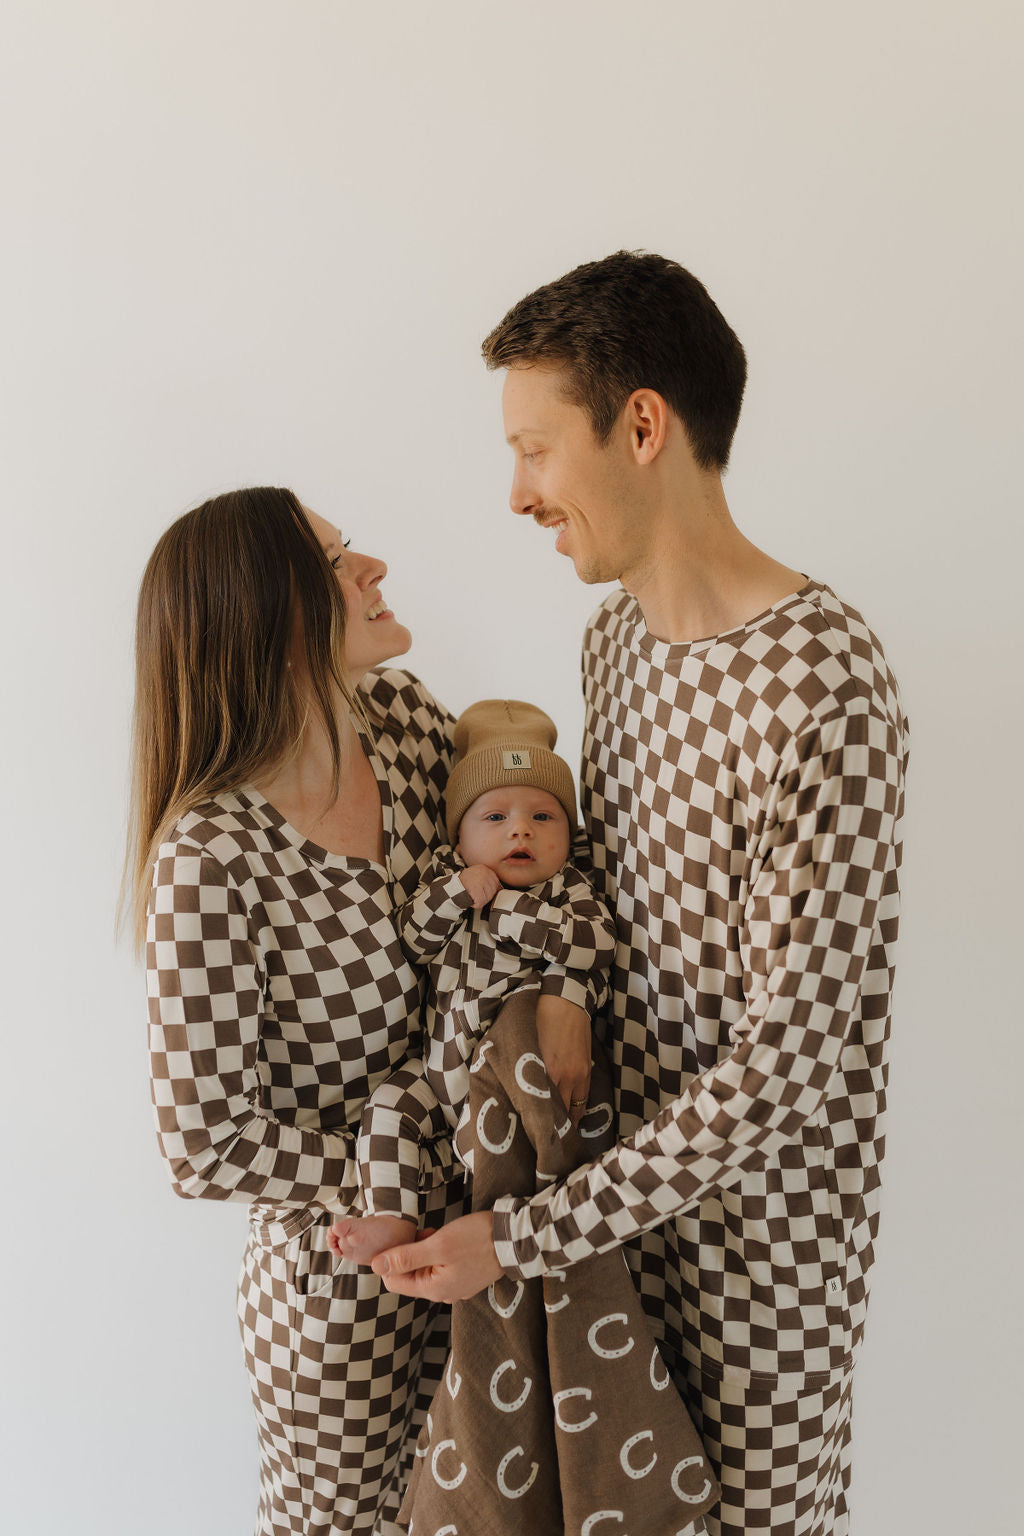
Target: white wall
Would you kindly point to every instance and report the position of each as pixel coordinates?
(248, 242)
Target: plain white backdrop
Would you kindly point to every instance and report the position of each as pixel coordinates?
(249, 242)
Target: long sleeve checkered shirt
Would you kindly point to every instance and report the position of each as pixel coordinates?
(743, 797)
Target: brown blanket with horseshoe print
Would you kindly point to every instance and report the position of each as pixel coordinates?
(556, 1414)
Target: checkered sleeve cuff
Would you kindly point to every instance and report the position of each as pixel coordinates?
(587, 989)
(504, 1246)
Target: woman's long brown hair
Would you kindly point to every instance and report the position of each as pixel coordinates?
(216, 704)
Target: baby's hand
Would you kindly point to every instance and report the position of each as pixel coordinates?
(481, 883)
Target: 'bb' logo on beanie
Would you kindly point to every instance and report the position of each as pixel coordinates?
(515, 759)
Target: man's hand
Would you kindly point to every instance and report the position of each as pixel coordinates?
(481, 883)
(449, 1265)
(563, 1035)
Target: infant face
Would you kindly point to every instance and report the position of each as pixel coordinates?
(519, 832)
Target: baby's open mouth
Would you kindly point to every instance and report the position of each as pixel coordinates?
(521, 855)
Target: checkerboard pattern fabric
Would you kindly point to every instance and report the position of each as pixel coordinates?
(341, 1376)
(279, 999)
(743, 797)
(475, 960)
(784, 1457)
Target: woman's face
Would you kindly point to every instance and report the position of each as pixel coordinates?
(372, 633)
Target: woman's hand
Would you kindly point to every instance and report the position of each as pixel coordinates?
(563, 1037)
(447, 1265)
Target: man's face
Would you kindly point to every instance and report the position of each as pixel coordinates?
(519, 831)
(565, 479)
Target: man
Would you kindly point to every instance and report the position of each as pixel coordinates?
(742, 786)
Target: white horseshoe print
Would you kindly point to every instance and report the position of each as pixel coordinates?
(495, 1146)
(430, 1435)
(509, 1365)
(453, 1385)
(524, 1060)
(627, 1467)
(689, 1498)
(598, 1130)
(609, 1354)
(514, 1493)
(478, 1060)
(448, 1483)
(446, 1530)
(561, 1397)
(558, 1275)
(600, 1514)
(659, 1385)
(496, 1305)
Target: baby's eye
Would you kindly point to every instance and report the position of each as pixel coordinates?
(542, 816)
(494, 816)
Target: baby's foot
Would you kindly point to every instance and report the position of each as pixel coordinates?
(361, 1238)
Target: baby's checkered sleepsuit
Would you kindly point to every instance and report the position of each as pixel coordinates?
(743, 796)
(475, 961)
(280, 998)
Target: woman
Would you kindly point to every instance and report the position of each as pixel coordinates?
(286, 798)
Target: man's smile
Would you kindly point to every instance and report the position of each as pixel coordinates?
(558, 526)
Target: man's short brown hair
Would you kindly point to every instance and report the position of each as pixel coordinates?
(633, 321)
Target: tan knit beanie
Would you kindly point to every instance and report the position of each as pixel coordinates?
(504, 741)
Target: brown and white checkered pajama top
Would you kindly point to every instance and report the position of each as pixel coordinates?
(279, 999)
(743, 796)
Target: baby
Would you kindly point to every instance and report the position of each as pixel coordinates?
(491, 917)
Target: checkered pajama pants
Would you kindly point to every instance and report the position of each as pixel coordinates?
(782, 1458)
(342, 1374)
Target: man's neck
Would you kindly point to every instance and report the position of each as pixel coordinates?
(700, 576)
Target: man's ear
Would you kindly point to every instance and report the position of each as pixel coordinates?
(646, 417)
